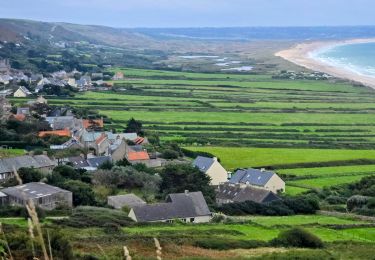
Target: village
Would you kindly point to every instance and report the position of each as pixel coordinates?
(20, 84)
(85, 146)
(104, 147)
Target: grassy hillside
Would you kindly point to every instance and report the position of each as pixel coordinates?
(240, 110)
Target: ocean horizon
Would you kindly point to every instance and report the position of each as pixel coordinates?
(355, 57)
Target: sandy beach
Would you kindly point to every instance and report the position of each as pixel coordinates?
(300, 55)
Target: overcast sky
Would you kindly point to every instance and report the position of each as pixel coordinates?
(194, 13)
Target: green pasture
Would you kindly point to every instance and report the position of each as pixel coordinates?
(241, 157)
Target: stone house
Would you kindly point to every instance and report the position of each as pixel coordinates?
(187, 207)
(259, 178)
(212, 168)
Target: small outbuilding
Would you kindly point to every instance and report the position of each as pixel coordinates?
(127, 200)
(43, 195)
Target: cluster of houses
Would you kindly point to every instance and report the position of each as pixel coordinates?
(259, 186)
(75, 79)
(255, 185)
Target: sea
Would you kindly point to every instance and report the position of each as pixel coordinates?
(358, 58)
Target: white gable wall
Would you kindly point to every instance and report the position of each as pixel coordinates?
(275, 184)
(217, 173)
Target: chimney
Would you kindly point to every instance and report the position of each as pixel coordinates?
(186, 191)
(215, 159)
(263, 170)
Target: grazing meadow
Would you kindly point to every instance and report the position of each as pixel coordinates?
(250, 120)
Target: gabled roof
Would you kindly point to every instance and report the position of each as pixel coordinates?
(65, 132)
(180, 205)
(23, 111)
(135, 156)
(26, 161)
(252, 176)
(87, 123)
(98, 161)
(32, 190)
(101, 138)
(203, 163)
(238, 194)
(128, 200)
(78, 162)
(24, 90)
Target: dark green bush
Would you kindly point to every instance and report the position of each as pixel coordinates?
(297, 237)
(227, 244)
(96, 217)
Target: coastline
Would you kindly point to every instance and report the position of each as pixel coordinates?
(301, 55)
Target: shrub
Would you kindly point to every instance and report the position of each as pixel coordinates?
(297, 237)
(356, 201)
(227, 244)
(335, 200)
(170, 154)
(96, 217)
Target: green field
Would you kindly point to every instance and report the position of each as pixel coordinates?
(267, 228)
(11, 152)
(240, 157)
(239, 110)
(249, 120)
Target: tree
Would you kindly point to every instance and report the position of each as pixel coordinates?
(29, 175)
(177, 178)
(82, 192)
(133, 126)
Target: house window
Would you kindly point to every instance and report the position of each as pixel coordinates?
(192, 219)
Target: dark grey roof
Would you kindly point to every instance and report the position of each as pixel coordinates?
(136, 148)
(23, 111)
(252, 176)
(32, 190)
(203, 163)
(26, 161)
(78, 162)
(179, 205)
(128, 200)
(97, 161)
(237, 194)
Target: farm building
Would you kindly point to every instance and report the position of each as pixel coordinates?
(127, 200)
(212, 168)
(40, 162)
(187, 207)
(43, 195)
(258, 178)
(229, 193)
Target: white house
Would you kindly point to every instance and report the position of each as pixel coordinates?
(259, 179)
(212, 168)
(22, 92)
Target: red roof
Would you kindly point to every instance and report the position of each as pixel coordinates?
(92, 122)
(100, 139)
(65, 132)
(135, 156)
(139, 140)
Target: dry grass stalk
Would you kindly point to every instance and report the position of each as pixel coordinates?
(34, 217)
(127, 254)
(49, 245)
(158, 248)
(31, 234)
(18, 178)
(6, 241)
(102, 251)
